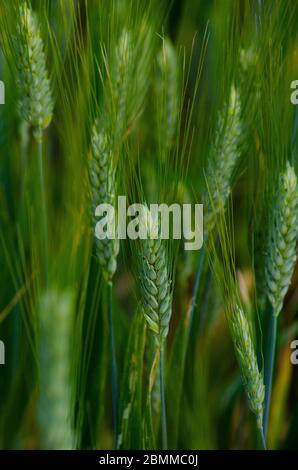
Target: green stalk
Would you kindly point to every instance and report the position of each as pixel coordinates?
(24, 141)
(43, 209)
(196, 290)
(269, 367)
(163, 401)
(262, 440)
(205, 301)
(114, 371)
(191, 333)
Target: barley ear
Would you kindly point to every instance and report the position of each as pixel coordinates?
(36, 103)
(223, 158)
(167, 95)
(121, 77)
(283, 236)
(252, 378)
(54, 354)
(155, 283)
(248, 58)
(103, 191)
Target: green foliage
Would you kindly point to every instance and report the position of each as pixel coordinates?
(131, 400)
(54, 348)
(164, 102)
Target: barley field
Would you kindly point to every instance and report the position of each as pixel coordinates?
(122, 343)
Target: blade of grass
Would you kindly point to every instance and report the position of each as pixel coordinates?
(269, 367)
(163, 401)
(129, 436)
(43, 210)
(114, 371)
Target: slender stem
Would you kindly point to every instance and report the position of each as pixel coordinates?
(191, 333)
(43, 210)
(114, 371)
(205, 300)
(262, 439)
(196, 289)
(269, 367)
(24, 140)
(163, 401)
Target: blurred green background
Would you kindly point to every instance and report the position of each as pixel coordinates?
(56, 382)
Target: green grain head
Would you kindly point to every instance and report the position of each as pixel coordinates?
(224, 155)
(121, 74)
(247, 359)
(103, 191)
(35, 102)
(222, 256)
(282, 242)
(155, 283)
(54, 354)
(167, 95)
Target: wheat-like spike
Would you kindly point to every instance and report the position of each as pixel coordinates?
(224, 155)
(252, 378)
(283, 236)
(156, 295)
(140, 76)
(121, 73)
(167, 93)
(54, 405)
(248, 58)
(102, 183)
(248, 61)
(249, 85)
(36, 103)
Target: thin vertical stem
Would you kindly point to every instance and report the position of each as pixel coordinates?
(24, 141)
(191, 333)
(262, 439)
(205, 300)
(163, 401)
(43, 209)
(196, 289)
(269, 367)
(114, 371)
